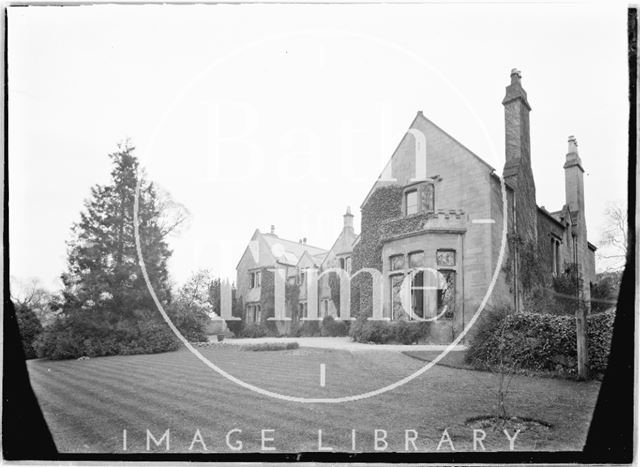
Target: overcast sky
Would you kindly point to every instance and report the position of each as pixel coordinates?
(253, 115)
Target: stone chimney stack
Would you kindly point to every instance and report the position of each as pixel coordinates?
(516, 115)
(573, 179)
(273, 229)
(517, 171)
(348, 219)
(574, 196)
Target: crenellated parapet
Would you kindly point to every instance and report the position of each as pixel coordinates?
(440, 220)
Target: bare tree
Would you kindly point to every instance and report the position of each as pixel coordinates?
(174, 216)
(196, 289)
(31, 294)
(614, 236)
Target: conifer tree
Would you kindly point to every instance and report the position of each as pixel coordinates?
(107, 308)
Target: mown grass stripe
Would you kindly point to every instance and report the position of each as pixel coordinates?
(276, 412)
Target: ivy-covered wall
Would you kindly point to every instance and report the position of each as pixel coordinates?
(385, 203)
(267, 291)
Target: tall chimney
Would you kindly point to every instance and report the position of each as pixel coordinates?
(517, 171)
(348, 219)
(516, 115)
(273, 229)
(574, 178)
(574, 196)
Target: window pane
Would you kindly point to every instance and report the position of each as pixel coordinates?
(396, 262)
(447, 294)
(412, 202)
(446, 258)
(426, 197)
(396, 305)
(416, 259)
(417, 294)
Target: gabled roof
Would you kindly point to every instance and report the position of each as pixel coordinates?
(307, 259)
(280, 250)
(555, 217)
(289, 252)
(413, 122)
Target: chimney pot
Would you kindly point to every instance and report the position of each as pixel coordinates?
(573, 145)
(273, 229)
(304, 240)
(348, 219)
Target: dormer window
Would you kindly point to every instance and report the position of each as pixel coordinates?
(411, 202)
(345, 263)
(418, 198)
(301, 276)
(255, 279)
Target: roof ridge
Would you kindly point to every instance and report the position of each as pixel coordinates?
(295, 243)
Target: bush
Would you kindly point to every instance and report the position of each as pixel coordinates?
(65, 339)
(537, 341)
(235, 326)
(383, 332)
(406, 332)
(30, 328)
(270, 346)
(599, 333)
(254, 330)
(306, 329)
(191, 321)
(332, 328)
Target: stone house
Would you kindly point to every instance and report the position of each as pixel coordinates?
(432, 234)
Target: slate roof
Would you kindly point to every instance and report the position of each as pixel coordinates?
(291, 251)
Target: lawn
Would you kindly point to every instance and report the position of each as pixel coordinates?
(89, 403)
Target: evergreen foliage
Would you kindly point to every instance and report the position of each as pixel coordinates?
(106, 308)
(30, 328)
(538, 341)
(384, 332)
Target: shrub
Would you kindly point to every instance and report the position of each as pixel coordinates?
(538, 341)
(30, 328)
(191, 320)
(332, 328)
(270, 346)
(382, 332)
(599, 333)
(306, 329)
(235, 326)
(62, 340)
(406, 332)
(254, 330)
(272, 329)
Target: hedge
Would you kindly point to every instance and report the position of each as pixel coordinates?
(383, 332)
(536, 341)
(270, 346)
(255, 330)
(305, 328)
(332, 328)
(61, 341)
